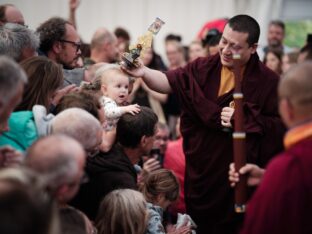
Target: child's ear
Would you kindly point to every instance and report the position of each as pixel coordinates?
(104, 88)
(160, 199)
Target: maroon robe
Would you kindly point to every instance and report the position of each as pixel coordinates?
(283, 201)
(208, 148)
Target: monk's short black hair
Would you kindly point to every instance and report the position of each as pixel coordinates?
(246, 24)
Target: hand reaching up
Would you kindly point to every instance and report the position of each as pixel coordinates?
(132, 109)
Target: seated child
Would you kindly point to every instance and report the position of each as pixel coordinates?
(161, 188)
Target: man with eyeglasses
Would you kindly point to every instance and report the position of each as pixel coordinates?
(10, 14)
(59, 41)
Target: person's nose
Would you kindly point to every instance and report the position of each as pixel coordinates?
(227, 49)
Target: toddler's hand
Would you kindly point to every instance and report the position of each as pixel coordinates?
(132, 109)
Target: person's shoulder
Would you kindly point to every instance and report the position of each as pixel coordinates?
(282, 164)
(204, 62)
(74, 76)
(257, 71)
(267, 73)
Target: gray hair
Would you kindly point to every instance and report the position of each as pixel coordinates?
(11, 74)
(79, 124)
(59, 171)
(55, 158)
(14, 38)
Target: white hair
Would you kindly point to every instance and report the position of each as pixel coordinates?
(14, 38)
(11, 75)
(79, 124)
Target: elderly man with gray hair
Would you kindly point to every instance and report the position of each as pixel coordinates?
(18, 42)
(60, 160)
(12, 81)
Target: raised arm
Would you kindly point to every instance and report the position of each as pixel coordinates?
(154, 79)
(73, 5)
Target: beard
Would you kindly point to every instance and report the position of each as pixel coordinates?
(275, 43)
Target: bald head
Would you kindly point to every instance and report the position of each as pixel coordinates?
(59, 158)
(296, 87)
(101, 36)
(104, 46)
(10, 14)
(80, 125)
(47, 150)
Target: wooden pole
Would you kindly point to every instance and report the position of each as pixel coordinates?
(239, 138)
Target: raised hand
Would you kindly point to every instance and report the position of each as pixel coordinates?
(139, 71)
(10, 157)
(74, 4)
(132, 109)
(61, 92)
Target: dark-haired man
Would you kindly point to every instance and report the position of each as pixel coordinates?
(115, 169)
(59, 41)
(204, 89)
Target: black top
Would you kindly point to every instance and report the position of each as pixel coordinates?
(107, 172)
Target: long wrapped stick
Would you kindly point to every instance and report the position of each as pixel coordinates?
(239, 138)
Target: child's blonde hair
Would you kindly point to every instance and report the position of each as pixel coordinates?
(122, 211)
(102, 77)
(158, 182)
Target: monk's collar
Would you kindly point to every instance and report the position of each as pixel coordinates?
(298, 134)
(232, 70)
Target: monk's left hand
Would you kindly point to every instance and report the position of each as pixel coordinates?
(226, 116)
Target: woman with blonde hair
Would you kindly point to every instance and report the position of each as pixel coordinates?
(122, 211)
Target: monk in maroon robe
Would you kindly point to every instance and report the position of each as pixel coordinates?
(204, 89)
(283, 201)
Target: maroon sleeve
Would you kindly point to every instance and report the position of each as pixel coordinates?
(187, 83)
(278, 204)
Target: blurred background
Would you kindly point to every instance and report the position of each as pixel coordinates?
(183, 17)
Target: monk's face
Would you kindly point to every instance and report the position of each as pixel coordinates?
(234, 42)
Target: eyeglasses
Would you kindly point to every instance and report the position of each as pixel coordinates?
(77, 44)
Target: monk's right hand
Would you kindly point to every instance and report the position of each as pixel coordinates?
(137, 72)
(253, 172)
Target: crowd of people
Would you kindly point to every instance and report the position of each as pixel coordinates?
(88, 145)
